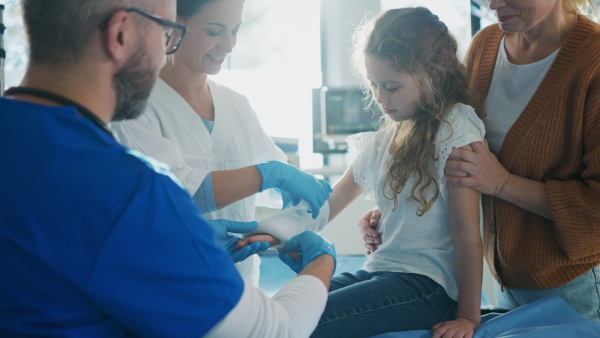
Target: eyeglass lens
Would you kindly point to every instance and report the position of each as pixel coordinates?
(173, 40)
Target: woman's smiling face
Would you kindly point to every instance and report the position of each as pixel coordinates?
(522, 15)
(212, 34)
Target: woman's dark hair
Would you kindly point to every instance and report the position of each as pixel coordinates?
(188, 8)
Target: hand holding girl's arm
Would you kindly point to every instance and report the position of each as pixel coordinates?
(479, 169)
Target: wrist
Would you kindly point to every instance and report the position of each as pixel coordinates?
(469, 321)
(501, 188)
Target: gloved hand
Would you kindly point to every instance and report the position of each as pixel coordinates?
(309, 246)
(223, 227)
(295, 185)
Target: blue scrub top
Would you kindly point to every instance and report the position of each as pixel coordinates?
(94, 242)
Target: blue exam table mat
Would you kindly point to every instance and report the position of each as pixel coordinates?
(550, 317)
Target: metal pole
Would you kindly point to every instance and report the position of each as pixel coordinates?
(2, 51)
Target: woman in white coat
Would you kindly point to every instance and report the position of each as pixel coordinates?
(208, 134)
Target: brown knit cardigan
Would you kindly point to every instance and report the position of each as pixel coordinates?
(555, 140)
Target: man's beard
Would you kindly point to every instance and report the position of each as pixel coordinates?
(133, 84)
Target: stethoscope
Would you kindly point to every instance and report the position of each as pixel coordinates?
(59, 99)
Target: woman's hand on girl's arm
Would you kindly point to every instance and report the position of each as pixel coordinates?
(479, 169)
(368, 229)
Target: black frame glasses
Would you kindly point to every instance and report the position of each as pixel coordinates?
(177, 30)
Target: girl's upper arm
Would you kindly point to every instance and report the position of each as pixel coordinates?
(464, 201)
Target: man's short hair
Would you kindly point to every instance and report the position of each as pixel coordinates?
(59, 31)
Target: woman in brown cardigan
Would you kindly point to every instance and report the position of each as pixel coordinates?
(535, 79)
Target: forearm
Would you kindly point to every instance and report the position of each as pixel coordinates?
(233, 185)
(321, 268)
(293, 312)
(527, 194)
(469, 269)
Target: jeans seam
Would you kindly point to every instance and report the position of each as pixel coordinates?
(384, 307)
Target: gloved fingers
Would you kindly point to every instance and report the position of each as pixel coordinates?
(296, 266)
(326, 185)
(238, 227)
(295, 200)
(287, 199)
(241, 254)
(316, 208)
(263, 246)
(294, 243)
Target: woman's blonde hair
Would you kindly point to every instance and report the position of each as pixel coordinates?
(582, 7)
(415, 41)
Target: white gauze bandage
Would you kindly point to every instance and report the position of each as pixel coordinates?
(292, 221)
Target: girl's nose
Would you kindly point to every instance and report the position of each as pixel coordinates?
(380, 96)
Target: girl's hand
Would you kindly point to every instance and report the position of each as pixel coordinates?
(484, 172)
(368, 225)
(257, 238)
(458, 328)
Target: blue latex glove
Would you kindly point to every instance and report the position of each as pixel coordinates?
(223, 227)
(295, 185)
(309, 246)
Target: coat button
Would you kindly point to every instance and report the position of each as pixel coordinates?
(492, 227)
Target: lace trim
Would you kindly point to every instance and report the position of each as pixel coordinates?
(357, 158)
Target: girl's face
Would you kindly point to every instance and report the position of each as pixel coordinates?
(211, 36)
(522, 15)
(396, 91)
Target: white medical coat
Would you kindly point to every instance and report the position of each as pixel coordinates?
(172, 132)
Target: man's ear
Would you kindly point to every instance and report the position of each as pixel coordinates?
(119, 36)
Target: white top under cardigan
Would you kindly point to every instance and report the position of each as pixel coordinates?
(171, 132)
(511, 89)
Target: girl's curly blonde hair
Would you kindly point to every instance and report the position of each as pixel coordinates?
(415, 41)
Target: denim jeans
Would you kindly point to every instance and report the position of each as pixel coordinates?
(365, 304)
(582, 293)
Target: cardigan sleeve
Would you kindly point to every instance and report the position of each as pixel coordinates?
(575, 203)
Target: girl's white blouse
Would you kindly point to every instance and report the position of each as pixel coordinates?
(411, 243)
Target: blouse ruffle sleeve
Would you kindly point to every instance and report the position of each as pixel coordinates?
(463, 127)
(362, 154)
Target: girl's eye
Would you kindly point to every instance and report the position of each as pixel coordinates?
(392, 89)
(211, 33)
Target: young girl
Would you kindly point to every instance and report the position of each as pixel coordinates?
(427, 271)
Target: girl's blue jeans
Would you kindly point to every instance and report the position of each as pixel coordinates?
(582, 293)
(365, 304)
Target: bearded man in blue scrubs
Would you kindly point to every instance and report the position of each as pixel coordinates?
(96, 240)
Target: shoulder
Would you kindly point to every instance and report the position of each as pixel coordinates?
(225, 91)
(461, 124)
(374, 138)
(487, 35)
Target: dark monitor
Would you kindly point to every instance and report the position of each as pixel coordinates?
(338, 113)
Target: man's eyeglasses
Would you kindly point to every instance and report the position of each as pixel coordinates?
(173, 35)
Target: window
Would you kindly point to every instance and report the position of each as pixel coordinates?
(276, 64)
